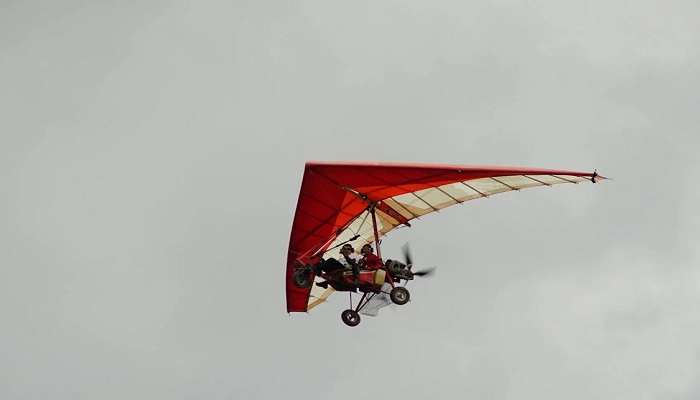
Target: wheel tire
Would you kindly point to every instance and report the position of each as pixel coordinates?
(303, 278)
(350, 317)
(400, 295)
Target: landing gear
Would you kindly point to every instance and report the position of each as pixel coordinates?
(350, 317)
(400, 295)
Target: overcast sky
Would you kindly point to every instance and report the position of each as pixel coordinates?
(150, 160)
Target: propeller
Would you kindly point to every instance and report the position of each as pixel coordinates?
(409, 262)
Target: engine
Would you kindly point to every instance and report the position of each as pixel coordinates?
(399, 270)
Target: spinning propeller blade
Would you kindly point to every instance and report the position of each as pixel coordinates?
(407, 254)
(409, 262)
(424, 272)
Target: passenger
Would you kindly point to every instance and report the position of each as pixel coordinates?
(370, 260)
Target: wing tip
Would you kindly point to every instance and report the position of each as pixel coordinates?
(595, 177)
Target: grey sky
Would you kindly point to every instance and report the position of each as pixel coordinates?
(150, 160)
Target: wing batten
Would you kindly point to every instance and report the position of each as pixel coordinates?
(505, 184)
(565, 179)
(482, 194)
(421, 199)
(537, 180)
(449, 195)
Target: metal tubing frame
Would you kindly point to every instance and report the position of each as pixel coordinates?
(364, 301)
(389, 277)
(376, 232)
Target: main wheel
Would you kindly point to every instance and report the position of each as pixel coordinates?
(399, 295)
(350, 317)
(303, 278)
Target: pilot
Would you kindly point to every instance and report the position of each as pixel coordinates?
(369, 259)
(347, 259)
(329, 266)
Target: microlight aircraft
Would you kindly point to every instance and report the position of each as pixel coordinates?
(359, 202)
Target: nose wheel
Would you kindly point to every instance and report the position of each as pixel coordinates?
(400, 295)
(350, 317)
